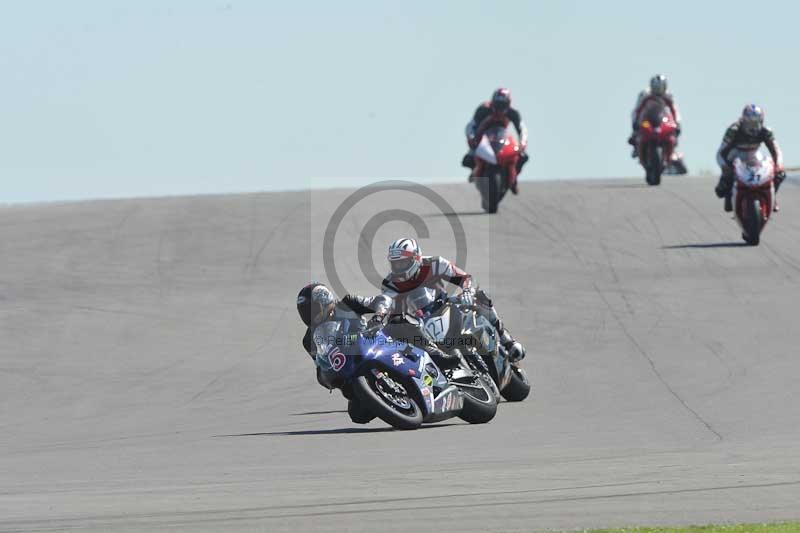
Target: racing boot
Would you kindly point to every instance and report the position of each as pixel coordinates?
(513, 185)
(469, 162)
(358, 413)
(779, 177)
(724, 189)
(632, 142)
(443, 360)
(514, 348)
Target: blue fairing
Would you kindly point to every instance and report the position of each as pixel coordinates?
(351, 347)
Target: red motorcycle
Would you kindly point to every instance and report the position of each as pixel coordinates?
(753, 193)
(499, 153)
(656, 142)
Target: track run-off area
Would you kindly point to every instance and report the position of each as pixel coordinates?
(152, 376)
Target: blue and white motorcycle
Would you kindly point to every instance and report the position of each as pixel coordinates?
(393, 380)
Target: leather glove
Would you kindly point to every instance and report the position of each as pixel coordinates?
(376, 320)
(473, 142)
(468, 297)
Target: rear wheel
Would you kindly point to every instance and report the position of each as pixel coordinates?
(519, 387)
(388, 398)
(753, 223)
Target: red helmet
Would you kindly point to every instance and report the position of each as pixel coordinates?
(501, 100)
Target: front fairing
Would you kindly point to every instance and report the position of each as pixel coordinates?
(485, 151)
(753, 170)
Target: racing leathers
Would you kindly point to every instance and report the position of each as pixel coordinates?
(351, 307)
(435, 273)
(485, 118)
(735, 143)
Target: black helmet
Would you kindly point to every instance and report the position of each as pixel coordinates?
(501, 100)
(315, 302)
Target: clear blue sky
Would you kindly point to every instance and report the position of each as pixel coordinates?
(112, 98)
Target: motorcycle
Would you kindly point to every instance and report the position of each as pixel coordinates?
(480, 401)
(454, 324)
(753, 195)
(395, 381)
(656, 144)
(500, 152)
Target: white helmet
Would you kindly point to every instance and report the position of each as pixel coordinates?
(658, 85)
(405, 258)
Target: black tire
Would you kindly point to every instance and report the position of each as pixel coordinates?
(655, 166)
(366, 390)
(519, 387)
(490, 192)
(753, 223)
(479, 407)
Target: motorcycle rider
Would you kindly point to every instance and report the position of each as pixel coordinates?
(746, 135)
(496, 112)
(658, 93)
(410, 270)
(317, 304)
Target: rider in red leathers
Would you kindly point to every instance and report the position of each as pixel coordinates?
(495, 112)
(657, 93)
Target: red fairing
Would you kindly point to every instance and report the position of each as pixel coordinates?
(765, 193)
(507, 151)
(662, 133)
(652, 99)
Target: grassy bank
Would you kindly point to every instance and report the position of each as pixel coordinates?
(783, 527)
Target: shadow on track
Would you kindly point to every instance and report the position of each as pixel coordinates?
(463, 214)
(307, 413)
(733, 244)
(622, 186)
(338, 431)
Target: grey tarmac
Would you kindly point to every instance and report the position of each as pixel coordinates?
(152, 378)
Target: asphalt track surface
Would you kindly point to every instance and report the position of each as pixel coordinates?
(152, 379)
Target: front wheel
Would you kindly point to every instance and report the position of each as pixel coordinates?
(480, 404)
(753, 223)
(388, 399)
(518, 387)
(490, 187)
(655, 165)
